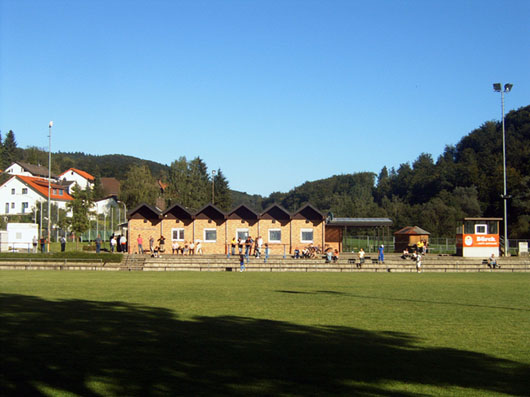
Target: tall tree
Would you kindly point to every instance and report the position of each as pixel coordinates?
(79, 206)
(139, 187)
(223, 197)
(9, 149)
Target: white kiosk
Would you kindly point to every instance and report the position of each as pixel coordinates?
(478, 237)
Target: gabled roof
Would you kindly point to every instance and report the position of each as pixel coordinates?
(276, 211)
(40, 185)
(243, 212)
(178, 211)
(146, 210)
(84, 174)
(36, 170)
(110, 186)
(309, 212)
(210, 211)
(412, 230)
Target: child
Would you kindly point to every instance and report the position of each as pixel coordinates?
(241, 263)
(266, 252)
(418, 263)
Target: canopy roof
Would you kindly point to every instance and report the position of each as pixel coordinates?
(412, 230)
(360, 222)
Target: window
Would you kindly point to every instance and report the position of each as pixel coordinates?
(12, 205)
(242, 234)
(25, 206)
(275, 235)
(177, 234)
(481, 229)
(210, 235)
(25, 190)
(306, 235)
(13, 191)
(7, 208)
(60, 192)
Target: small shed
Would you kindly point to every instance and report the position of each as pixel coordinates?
(409, 236)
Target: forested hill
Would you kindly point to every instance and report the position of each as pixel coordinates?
(466, 180)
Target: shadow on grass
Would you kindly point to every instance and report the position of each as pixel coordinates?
(404, 300)
(132, 350)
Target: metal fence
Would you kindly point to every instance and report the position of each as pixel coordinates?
(437, 245)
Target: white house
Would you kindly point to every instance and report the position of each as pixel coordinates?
(25, 169)
(81, 178)
(22, 194)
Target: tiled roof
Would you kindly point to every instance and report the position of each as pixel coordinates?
(84, 174)
(413, 230)
(110, 186)
(37, 170)
(41, 186)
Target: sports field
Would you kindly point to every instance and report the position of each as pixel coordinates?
(185, 333)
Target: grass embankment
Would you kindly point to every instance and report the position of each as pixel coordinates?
(69, 255)
(185, 333)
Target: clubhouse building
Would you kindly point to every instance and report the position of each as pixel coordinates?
(281, 230)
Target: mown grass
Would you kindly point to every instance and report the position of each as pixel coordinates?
(93, 333)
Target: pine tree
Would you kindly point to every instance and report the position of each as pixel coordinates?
(9, 149)
(223, 196)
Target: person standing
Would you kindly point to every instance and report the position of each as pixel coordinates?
(233, 244)
(42, 242)
(35, 242)
(113, 243)
(140, 242)
(267, 252)
(152, 245)
(63, 243)
(123, 243)
(161, 244)
(418, 263)
(241, 263)
(361, 258)
(381, 257)
(98, 244)
(198, 248)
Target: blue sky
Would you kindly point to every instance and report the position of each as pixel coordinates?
(275, 93)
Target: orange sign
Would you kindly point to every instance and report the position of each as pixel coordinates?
(481, 240)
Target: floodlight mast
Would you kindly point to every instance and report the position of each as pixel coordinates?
(497, 87)
(49, 178)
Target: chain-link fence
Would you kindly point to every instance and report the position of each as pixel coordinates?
(437, 245)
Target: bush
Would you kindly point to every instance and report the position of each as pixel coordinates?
(105, 257)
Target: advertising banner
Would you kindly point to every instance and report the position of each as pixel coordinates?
(481, 240)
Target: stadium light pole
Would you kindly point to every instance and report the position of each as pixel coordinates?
(49, 177)
(213, 186)
(497, 87)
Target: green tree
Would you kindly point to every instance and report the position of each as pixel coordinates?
(2, 157)
(9, 149)
(79, 206)
(139, 187)
(223, 196)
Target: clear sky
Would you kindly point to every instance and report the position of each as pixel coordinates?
(275, 93)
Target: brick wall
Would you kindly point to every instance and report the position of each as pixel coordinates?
(217, 247)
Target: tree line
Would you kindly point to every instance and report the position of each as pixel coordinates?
(465, 181)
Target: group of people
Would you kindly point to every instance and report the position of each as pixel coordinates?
(118, 243)
(416, 255)
(332, 255)
(249, 246)
(187, 248)
(309, 252)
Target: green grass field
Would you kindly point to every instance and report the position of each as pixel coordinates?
(185, 333)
